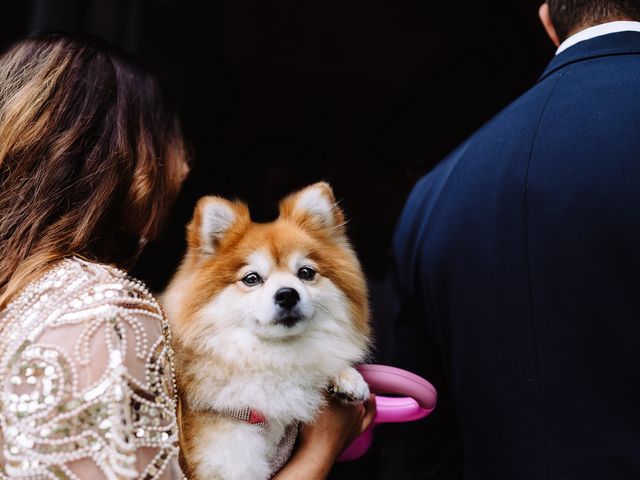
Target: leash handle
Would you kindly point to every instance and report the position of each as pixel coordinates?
(415, 399)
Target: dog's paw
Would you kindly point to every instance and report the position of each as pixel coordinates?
(349, 386)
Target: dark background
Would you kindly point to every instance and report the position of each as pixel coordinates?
(368, 95)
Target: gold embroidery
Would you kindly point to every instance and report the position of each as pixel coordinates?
(69, 343)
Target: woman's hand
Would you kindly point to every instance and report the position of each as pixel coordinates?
(321, 442)
(338, 425)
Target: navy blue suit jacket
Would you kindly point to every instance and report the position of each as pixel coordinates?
(518, 260)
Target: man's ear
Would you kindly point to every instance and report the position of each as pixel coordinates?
(314, 207)
(212, 220)
(545, 18)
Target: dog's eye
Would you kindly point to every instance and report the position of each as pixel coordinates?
(306, 273)
(251, 279)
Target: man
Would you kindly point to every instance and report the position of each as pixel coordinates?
(518, 259)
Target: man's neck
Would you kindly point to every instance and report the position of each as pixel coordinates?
(580, 34)
(584, 26)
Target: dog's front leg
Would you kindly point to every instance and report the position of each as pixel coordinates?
(349, 386)
(227, 449)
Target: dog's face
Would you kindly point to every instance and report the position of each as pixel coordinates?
(293, 278)
(278, 284)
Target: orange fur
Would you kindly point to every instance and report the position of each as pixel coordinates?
(203, 275)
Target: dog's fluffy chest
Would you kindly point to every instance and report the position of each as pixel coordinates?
(281, 441)
(264, 317)
(282, 397)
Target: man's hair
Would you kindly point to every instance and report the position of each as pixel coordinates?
(567, 15)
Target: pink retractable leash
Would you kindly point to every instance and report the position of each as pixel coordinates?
(417, 401)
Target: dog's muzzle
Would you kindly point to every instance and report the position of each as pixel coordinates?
(288, 319)
(287, 299)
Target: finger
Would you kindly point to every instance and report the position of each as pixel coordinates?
(370, 404)
(370, 413)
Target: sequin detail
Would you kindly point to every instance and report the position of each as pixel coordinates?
(285, 448)
(246, 415)
(87, 374)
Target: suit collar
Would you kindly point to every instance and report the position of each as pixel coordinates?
(623, 43)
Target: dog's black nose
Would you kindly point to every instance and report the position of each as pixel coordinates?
(287, 297)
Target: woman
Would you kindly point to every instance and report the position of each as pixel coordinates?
(90, 160)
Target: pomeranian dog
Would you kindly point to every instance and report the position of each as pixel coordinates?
(266, 317)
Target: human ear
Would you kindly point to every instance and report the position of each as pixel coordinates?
(545, 18)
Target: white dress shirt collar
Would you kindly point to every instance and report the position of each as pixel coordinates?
(598, 30)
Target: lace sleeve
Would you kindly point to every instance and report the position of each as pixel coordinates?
(90, 395)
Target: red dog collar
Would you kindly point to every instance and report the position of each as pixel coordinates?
(248, 415)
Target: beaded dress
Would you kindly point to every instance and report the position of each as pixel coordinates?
(88, 388)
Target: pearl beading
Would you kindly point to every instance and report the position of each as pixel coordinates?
(47, 418)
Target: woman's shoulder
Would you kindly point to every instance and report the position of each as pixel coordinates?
(76, 276)
(73, 285)
(77, 300)
(77, 295)
(87, 348)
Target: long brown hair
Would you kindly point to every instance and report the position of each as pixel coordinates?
(90, 155)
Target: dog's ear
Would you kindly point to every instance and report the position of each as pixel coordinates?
(315, 207)
(213, 218)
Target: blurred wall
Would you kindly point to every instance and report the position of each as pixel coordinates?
(369, 95)
(307, 90)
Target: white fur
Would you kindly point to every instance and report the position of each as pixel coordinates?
(277, 370)
(237, 451)
(217, 217)
(259, 261)
(314, 202)
(350, 386)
